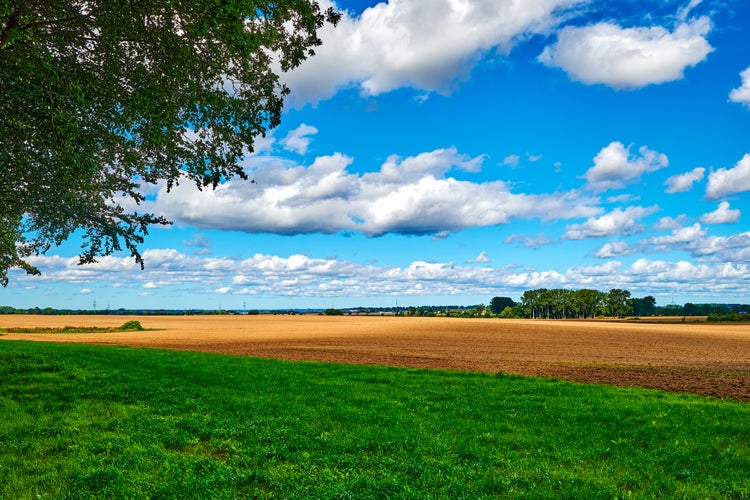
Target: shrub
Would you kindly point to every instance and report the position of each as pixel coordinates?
(131, 325)
(728, 317)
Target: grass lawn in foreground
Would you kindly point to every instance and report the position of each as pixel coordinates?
(105, 422)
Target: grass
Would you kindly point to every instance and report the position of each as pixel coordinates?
(106, 422)
(128, 326)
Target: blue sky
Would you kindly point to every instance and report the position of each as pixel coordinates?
(448, 151)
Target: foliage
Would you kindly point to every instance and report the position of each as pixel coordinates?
(126, 327)
(562, 304)
(508, 312)
(131, 325)
(95, 422)
(499, 304)
(617, 303)
(645, 306)
(101, 98)
(734, 317)
(333, 312)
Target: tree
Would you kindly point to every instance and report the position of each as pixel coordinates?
(588, 302)
(498, 304)
(645, 306)
(532, 301)
(511, 312)
(617, 302)
(100, 98)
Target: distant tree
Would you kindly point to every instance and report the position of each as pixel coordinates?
(645, 306)
(498, 304)
(617, 302)
(587, 302)
(670, 310)
(690, 309)
(510, 312)
(102, 97)
(533, 302)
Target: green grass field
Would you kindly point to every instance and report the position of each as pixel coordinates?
(103, 422)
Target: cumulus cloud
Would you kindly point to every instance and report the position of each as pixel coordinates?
(614, 249)
(668, 223)
(479, 259)
(298, 140)
(616, 222)
(526, 241)
(695, 240)
(429, 46)
(86, 291)
(722, 215)
(298, 276)
(629, 58)
(742, 93)
(724, 182)
(199, 240)
(413, 195)
(734, 248)
(614, 166)
(683, 275)
(680, 236)
(681, 183)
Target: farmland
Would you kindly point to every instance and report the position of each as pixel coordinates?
(104, 421)
(705, 359)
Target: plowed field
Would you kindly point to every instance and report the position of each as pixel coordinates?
(702, 358)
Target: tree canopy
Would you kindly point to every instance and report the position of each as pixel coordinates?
(101, 98)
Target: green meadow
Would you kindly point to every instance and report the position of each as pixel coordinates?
(103, 422)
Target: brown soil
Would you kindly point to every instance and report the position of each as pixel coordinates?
(701, 358)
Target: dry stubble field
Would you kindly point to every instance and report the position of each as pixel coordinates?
(707, 359)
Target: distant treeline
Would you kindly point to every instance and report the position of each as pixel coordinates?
(558, 303)
(555, 303)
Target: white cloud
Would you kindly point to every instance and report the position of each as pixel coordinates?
(742, 93)
(481, 258)
(512, 160)
(735, 248)
(525, 241)
(684, 12)
(695, 240)
(629, 58)
(724, 182)
(413, 195)
(680, 236)
(722, 215)
(299, 276)
(681, 183)
(86, 291)
(298, 140)
(199, 240)
(616, 222)
(533, 158)
(670, 223)
(412, 43)
(682, 275)
(614, 166)
(614, 249)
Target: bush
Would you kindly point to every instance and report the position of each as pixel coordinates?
(131, 325)
(728, 317)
